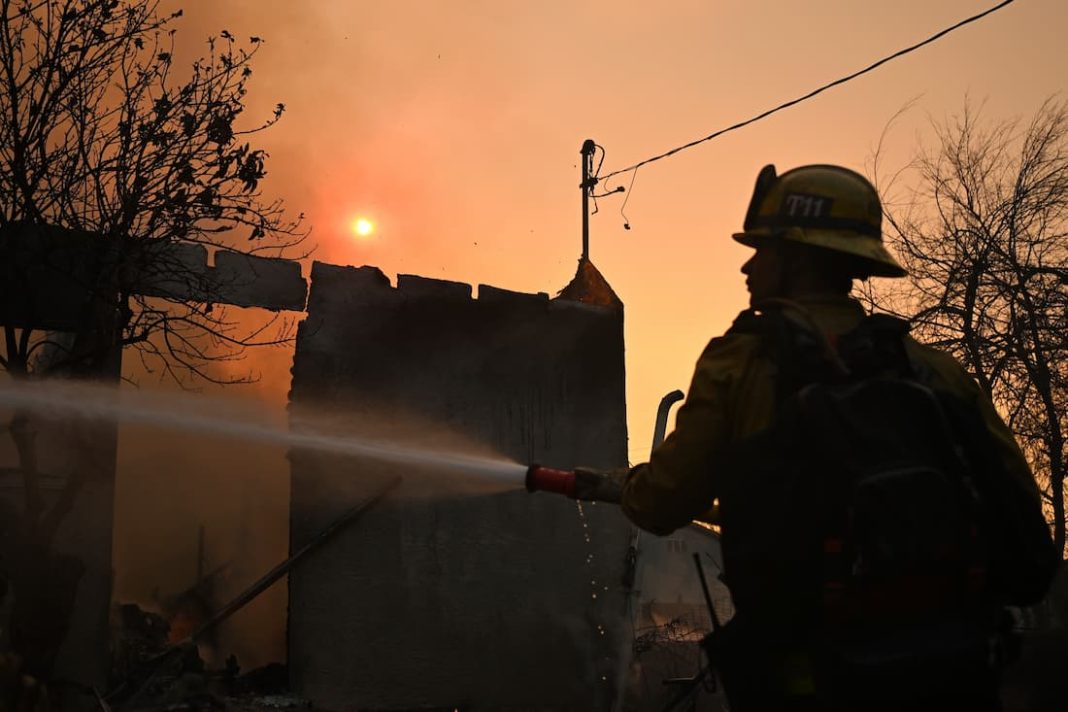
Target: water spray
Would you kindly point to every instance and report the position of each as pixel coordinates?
(66, 399)
(56, 399)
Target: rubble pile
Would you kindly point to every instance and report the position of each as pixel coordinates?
(152, 675)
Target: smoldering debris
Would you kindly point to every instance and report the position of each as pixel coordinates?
(149, 674)
(138, 635)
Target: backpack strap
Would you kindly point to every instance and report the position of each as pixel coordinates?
(792, 340)
(876, 347)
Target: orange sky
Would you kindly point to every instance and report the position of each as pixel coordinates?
(456, 126)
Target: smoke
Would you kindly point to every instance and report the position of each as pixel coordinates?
(187, 461)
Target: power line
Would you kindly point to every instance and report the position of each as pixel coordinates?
(812, 93)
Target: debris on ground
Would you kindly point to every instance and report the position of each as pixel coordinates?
(152, 675)
(138, 636)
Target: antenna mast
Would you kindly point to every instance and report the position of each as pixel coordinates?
(588, 182)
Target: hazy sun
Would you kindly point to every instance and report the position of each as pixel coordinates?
(363, 227)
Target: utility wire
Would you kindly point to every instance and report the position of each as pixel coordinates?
(623, 207)
(812, 93)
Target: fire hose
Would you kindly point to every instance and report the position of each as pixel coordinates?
(591, 486)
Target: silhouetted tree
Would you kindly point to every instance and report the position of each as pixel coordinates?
(101, 136)
(983, 231)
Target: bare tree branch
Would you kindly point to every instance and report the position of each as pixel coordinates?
(982, 230)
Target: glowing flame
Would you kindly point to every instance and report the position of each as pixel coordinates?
(182, 625)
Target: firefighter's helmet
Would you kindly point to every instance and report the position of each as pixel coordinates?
(823, 206)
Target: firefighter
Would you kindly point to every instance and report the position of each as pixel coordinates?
(814, 230)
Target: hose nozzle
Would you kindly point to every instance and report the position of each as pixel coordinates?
(587, 485)
(546, 479)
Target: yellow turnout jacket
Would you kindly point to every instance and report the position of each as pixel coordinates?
(733, 396)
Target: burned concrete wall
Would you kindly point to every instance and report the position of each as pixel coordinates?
(459, 600)
(51, 281)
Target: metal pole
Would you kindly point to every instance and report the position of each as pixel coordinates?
(704, 589)
(265, 581)
(659, 430)
(662, 412)
(249, 594)
(588, 147)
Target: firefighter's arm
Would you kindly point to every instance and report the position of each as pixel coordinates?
(1009, 449)
(679, 483)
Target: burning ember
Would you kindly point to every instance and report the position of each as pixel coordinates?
(182, 625)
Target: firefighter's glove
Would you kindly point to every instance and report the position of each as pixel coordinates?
(599, 485)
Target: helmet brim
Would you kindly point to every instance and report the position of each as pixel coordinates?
(873, 256)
